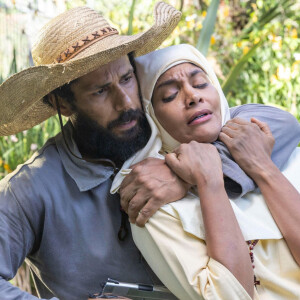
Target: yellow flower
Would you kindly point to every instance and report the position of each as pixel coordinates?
(245, 50)
(226, 11)
(295, 69)
(204, 14)
(7, 168)
(254, 6)
(294, 34)
(212, 40)
(254, 18)
(276, 42)
(239, 44)
(199, 26)
(274, 79)
(257, 40)
(190, 24)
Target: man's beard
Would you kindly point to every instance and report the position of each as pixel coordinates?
(95, 141)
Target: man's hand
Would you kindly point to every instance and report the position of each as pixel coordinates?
(149, 186)
(250, 143)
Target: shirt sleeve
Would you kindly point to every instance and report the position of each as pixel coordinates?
(181, 262)
(283, 125)
(16, 241)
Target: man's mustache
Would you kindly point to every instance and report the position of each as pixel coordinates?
(126, 116)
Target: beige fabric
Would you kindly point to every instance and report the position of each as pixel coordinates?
(21, 94)
(181, 262)
(250, 210)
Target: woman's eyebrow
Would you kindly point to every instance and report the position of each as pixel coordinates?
(167, 82)
(172, 81)
(195, 72)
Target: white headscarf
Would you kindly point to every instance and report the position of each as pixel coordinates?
(251, 211)
(152, 65)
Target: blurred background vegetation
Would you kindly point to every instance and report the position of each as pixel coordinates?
(253, 46)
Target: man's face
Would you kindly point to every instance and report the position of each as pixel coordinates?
(104, 94)
(108, 119)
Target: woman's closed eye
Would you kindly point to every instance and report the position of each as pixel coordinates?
(169, 98)
(201, 86)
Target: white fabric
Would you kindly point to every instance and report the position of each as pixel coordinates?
(252, 214)
(182, 263)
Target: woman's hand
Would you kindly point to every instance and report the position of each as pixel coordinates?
(196, 163)
(250, 144)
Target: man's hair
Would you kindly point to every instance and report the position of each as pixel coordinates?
(66, 93)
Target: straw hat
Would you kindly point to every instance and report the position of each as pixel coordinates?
(69, 46)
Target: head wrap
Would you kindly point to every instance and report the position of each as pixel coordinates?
(152, 65)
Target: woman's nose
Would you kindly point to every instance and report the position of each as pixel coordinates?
(192, 97)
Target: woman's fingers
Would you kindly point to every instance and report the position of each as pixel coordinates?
(262, 126)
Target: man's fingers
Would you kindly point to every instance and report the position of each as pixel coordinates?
(126, 194)
(146, 213)
(135, 206)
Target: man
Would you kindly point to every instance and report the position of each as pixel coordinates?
(56, 211)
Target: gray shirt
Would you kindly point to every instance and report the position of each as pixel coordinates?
(56, 211)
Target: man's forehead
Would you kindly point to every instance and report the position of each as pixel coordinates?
(104, 74)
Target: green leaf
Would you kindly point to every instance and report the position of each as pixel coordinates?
(237, 68)
(208, 27)
(130, 20)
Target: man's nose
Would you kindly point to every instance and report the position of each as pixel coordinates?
(122, 100)
(192, 96)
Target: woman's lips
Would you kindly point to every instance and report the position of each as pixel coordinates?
(200, 117)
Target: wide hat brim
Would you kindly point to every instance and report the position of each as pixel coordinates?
(21, 95)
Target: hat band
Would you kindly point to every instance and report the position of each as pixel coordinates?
(85, 42)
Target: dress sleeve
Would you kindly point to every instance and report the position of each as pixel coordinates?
(16, 241)
(284, 127)
(181, 262)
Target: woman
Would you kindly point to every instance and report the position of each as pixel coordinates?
(198, 248)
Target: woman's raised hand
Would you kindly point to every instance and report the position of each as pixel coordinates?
(250, 144)
(196, 163)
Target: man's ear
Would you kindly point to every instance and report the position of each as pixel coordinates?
(65, 107)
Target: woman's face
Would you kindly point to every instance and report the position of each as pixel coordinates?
(187, 105)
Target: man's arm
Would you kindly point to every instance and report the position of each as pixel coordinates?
(16, 240)
(249, 144)
(150, 185)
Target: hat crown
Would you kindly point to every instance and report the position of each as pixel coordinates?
(65, 31)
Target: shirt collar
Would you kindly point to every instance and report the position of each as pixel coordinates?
(87, 175)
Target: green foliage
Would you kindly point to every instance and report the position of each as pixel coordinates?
(130, 19)
(208, 27)
(254, 47)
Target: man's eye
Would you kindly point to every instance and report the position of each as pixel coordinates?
(170, 98)
(99, 92)
(201, 86)
(128, 78)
